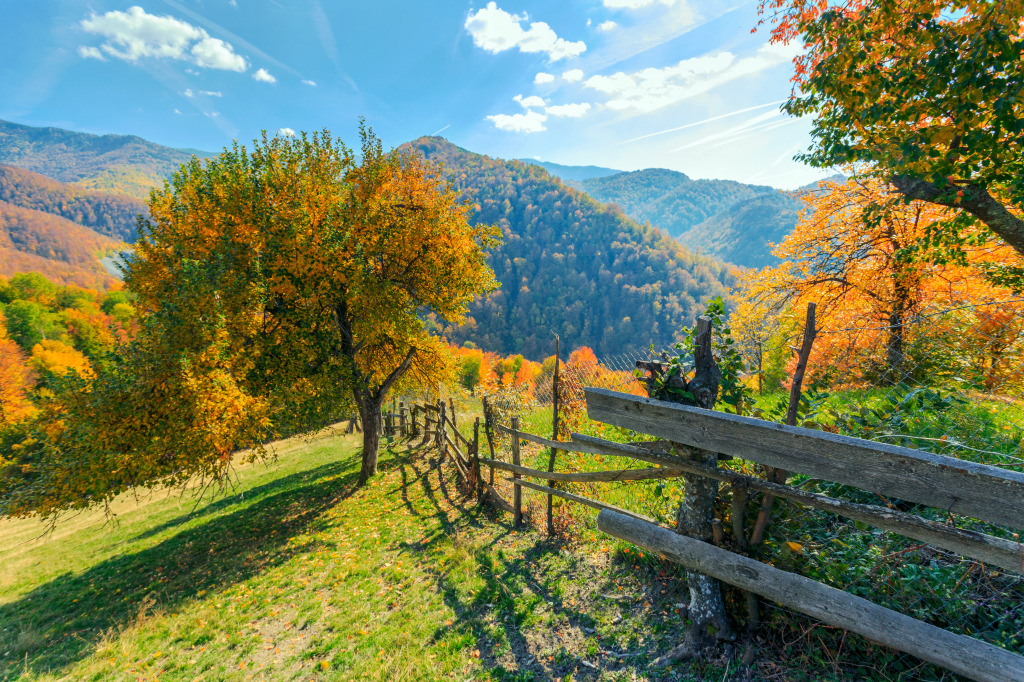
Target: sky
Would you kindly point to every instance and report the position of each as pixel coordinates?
(626, 84)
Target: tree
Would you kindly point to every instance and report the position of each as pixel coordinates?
(926, 93)
(275, 287)
(850, 253)
(319, 267)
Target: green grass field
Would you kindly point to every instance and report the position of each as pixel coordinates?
(296, 574)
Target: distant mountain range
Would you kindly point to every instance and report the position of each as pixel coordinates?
(727, 220)
(119, 163)
(570, 173)
(572, 266)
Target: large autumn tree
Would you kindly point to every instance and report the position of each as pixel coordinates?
(848, 254)
(927, 94)
(320, 266)
(275, 286)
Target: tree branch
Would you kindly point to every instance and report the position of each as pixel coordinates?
(399, 371)
(975, 200)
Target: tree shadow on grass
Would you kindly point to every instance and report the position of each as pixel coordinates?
(70, 613)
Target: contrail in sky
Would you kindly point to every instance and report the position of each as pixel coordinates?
(438, 132)
(706, 120)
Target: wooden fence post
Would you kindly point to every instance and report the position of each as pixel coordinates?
(490, 439)
(695, 516)
(478, 479)
(780, 475)
(517, 490)
(554, 434)
(442, 428)
(401, 419)
(451, 404)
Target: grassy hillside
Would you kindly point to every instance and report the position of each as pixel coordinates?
(297, 575)
(67, 253)
(741, 234)
(667, 198)
(113, 215)
(118, 163)
(572, 266)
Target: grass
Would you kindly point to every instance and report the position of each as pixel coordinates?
(297, 574)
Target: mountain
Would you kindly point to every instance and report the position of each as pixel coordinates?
(572, 266)
(113, 215)
(743, 232)
(669, 199)
(572, 173)
(120, 163)
(35, 241)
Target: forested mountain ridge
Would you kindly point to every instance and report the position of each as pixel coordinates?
(572, 266)
(113, 215)
(34, 241)
(120, 163)
(569, 174)
(667, 198)
(743, 232)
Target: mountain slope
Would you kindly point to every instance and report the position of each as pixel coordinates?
(742, 233)
(109, 214)
(667, 198)
(34, 241)
(572, 173)
(122, 163)
(571, 266)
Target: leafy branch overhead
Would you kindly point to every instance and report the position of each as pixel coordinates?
(927, 94)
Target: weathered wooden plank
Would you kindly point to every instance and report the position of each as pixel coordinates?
(598, 476)
(517, 490)
(964, 655)
(581, 500)
(567, 446)
(978, 490)
(1007, 554)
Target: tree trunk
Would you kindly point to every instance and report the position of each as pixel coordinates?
(894, 356)
(370, 411)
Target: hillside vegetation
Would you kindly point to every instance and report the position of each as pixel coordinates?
(119, 163)
(571, 266)
(742, 233)
(669, 199)
(34, 241)
(113, 215)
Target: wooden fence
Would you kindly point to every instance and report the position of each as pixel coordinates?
(983, 492)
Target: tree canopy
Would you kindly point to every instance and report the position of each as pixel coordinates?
(927, 94)
(276, 286)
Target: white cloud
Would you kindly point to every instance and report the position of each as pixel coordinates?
(91, 53)
(653, 88)
(213, 53)
(530, 122)
(263, 76)
(635, 4)
(177, 111)
(542, 78)
(568, 110)
(606, 25)
(188, 93)
(211, 93)
(286, 132)
(573, 75)
(135, 35)
(495, 30)
(531, 101)
(310, 83)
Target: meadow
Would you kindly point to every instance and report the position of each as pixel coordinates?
(296, 574)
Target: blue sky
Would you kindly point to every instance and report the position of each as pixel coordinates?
(627, 84)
